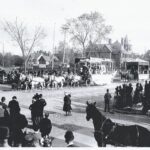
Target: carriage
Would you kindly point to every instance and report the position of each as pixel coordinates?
(100, 69)
(134, 69)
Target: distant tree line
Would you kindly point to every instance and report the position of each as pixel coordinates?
(10, 60)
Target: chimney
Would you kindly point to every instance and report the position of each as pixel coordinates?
(122, 42)
(109, 41)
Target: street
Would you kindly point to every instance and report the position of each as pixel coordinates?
(83, 130)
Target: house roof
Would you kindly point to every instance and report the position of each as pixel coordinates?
(137, 60)
(37, 56)
(99, 47)
(115, 48)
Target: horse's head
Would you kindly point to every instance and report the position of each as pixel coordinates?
(90, 109)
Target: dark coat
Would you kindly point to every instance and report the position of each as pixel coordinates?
(17, 123)
(45, 126)
(14, 107)
(67, 103)
(37, 108)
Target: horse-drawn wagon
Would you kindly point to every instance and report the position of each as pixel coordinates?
(134, 69)
(100, 69)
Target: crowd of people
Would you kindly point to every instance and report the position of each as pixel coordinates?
(14, 125)
(21, 81)
(126, 96)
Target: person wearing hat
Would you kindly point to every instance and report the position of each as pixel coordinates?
(13, 106)
(45, 125)
(28, 141)
(31, 140)
(37, 110)
(18, 122)
(69, 138)
(31, 107)
(107, 98)
(67, 104)
(4, 135)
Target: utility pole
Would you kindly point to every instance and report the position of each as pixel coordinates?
(53, 47)
(3, 55)
(64, 53)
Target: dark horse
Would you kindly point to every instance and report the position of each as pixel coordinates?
(126, 76)
(108, 132)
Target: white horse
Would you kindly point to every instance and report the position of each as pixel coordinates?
(58, 81)
(76, 80)
(37, 82)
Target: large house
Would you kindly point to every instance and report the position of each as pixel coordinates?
(114, 51)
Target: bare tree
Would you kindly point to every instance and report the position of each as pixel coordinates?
(18, 32)
(87, 28)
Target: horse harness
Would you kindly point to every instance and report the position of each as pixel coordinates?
(101, 130)
(107, 136)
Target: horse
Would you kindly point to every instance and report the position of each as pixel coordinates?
(36, 82)
(58, 81)
(68, 79)
(76, 79)
(126, 76)
(108, 132)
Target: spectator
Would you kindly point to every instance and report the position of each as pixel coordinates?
(13, 106)
(28, 141)
(69, 139)
(32, 140)
(45, 126)
(37, 111)
(4, 107)
(67, 104)
(4, 135)
(107, 98)
(17, 123)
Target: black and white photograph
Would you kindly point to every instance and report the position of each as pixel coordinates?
(75, 73)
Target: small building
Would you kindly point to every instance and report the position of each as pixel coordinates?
(41, 61)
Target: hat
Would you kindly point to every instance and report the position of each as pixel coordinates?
(65, 93)
(3, 99)
(69, 135)
(40, 95)
(46, 114)
(14, 97)
(4, 132)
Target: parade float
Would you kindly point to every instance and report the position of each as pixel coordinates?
(100, 69)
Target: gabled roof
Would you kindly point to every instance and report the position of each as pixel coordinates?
(108, 47)
(115, 48)
(98, 47)
(37, 56)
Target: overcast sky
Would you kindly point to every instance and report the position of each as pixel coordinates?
(128, 17)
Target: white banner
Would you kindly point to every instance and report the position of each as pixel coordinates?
(42, 65)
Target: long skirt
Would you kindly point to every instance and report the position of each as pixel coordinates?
(67, 107)
(36, 122)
